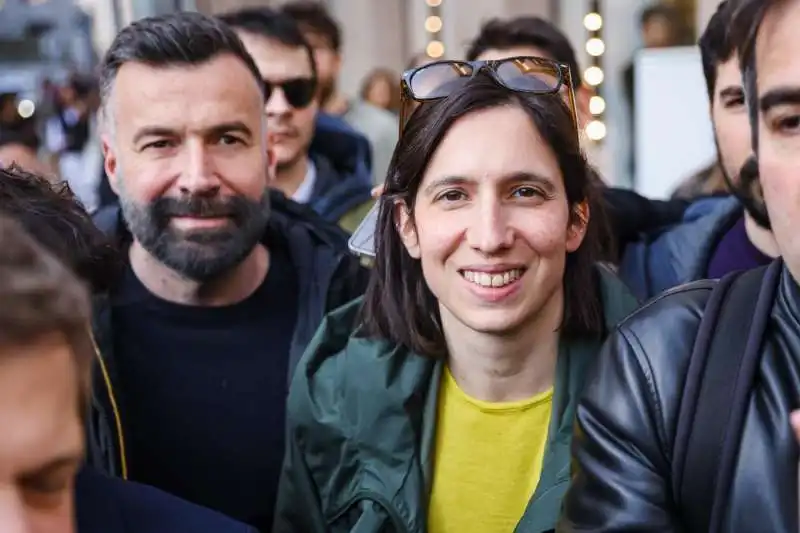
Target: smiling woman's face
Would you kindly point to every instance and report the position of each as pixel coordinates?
(491, 223)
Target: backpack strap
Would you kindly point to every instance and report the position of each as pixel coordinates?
(724, 361)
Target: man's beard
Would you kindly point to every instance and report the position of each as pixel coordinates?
(747, 189)
(199, 254)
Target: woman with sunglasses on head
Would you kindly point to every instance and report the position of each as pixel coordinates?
(444, 401)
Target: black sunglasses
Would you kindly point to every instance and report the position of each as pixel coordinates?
(526, 74)
(299, 92)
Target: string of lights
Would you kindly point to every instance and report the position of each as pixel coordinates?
(594, 74)
(433, 25)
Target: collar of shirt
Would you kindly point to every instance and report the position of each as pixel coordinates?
(303, 193)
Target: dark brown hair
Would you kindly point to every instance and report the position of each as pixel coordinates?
(273, 25)
(313, 17)
(42, 296)
(527, 31)
(716, 45)
(747, 18)
(51, 214)
(398, 305)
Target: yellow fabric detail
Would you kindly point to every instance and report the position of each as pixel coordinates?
(488, 460)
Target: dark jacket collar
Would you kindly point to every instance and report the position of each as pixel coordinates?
(343, 169)
(336, 140)
(682, 253)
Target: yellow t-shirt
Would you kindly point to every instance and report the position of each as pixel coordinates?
(488, 459)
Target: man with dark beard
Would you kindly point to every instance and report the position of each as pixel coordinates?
(685, 420)
(52, 216)
(221, 294)
(716, 236)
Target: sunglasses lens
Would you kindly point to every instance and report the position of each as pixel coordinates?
(268, 88)
(299, 92)
(439, 80)
(529, 75)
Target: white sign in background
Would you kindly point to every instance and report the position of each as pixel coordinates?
(674, 136)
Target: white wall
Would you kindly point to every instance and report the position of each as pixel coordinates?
(671, 94)
(373, 35)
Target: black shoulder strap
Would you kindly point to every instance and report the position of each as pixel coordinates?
(724, 361)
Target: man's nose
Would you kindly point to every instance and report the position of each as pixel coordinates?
(12, 511)
(198, 175)
(277, 104)
(489, 230)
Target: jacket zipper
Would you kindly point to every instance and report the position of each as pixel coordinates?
(397, 522)
(114, 407)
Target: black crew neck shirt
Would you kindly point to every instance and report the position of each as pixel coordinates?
(203, 392)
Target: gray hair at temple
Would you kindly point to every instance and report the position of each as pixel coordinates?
(185, 38)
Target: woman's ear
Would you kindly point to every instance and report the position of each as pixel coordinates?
(577, 227)
(404, 224)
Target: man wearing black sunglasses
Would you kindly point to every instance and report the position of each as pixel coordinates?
(324, 34)
(338, 188)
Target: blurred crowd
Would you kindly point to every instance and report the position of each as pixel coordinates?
(56, 135)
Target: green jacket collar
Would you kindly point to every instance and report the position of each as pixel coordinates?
(575, 359)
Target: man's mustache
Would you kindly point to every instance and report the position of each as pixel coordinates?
(199, 207)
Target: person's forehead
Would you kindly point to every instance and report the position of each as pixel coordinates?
(222, 89)
(38, 382)
(276, 60)
(514, 51)
(517, 146)
(728, 73)
(777, 60)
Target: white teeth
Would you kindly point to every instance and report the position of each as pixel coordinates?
(500, 279)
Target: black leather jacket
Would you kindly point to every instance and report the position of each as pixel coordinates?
(626, 423)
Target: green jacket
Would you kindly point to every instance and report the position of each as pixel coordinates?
(362, 419)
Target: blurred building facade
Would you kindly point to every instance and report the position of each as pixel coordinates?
(42, 40)
(387, 33)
